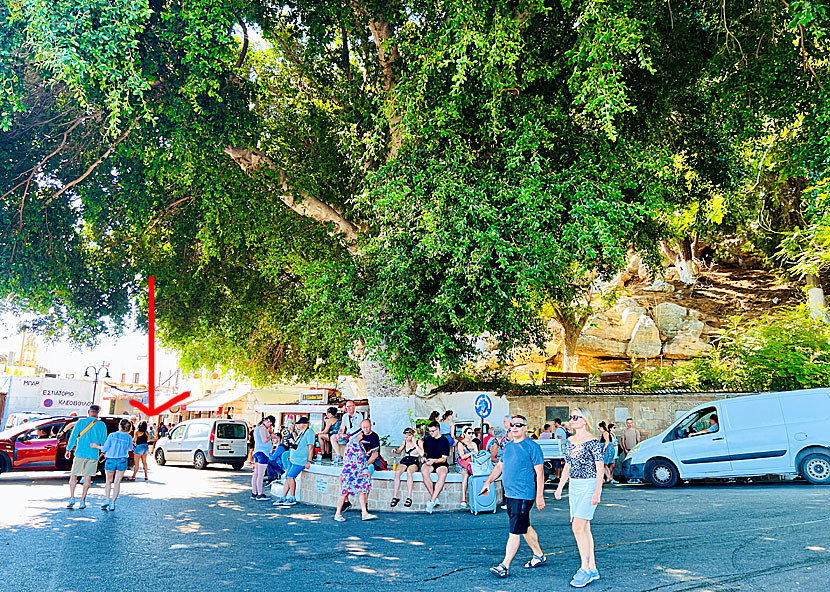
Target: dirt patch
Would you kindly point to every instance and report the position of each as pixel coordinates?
(727, 290)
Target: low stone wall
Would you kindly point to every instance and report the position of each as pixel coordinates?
(320, 486)
(652, 412)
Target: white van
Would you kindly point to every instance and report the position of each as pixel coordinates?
(769, 433)
(203, 441)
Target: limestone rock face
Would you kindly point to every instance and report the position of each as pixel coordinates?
(645, 339)
(685, 346)
(669, 318)
(601, 346)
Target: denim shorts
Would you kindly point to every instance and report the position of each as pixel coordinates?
(260, 458)
(115, 464)
(141, 449)
(294, 470)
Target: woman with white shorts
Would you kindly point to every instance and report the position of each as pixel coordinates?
(583, 469)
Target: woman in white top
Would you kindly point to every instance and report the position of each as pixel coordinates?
(464, 451)
(409, 462)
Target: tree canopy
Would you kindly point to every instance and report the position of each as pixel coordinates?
(319, 181)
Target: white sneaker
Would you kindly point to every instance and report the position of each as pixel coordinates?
(430, 507)
(437, 503)
(464, 506)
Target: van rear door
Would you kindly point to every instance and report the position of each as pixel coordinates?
(756, 435)
(230, 440)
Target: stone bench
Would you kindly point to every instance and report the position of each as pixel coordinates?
(320, 486)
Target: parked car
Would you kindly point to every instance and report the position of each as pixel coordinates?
(203, 441)
(770, 433)
(15, 419)
(40, 445)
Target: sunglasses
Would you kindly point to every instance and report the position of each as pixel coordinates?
(575, 417)
(517, 425)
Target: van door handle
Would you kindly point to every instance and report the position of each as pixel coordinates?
(721, 438)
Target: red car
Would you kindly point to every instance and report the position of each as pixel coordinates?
(41, 445)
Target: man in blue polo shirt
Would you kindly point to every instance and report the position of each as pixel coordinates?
(522, 471)
(86, 431)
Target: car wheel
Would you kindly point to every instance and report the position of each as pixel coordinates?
(661, 473)
(237, 465)
(815, 468)
(199, 460)
(160, 460)
(5, 463)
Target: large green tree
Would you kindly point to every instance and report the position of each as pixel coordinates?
(377, 182)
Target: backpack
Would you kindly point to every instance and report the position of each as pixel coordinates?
(481, 463)
(380, 464)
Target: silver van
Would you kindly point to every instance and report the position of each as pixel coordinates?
(770, 433)
(203, 441)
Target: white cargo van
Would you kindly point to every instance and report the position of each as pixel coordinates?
(769, 433)
(202, 441)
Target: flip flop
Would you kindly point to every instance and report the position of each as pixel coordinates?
(369, 517)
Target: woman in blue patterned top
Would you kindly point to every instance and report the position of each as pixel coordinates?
(583, 470)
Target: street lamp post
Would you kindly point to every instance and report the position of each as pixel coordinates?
(96, 370)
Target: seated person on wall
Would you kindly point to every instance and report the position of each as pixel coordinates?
(329, 427)
(713, 426)
(495, 443)
(411, 451)
(276, 462)
(371, 444)
(436, 450)
(465, 448)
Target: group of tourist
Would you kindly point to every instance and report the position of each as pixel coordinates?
(90, 442)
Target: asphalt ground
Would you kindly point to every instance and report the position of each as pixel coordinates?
(189, 530)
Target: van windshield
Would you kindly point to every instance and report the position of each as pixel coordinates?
(231, 431)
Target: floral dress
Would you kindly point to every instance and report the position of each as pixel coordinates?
(355, 478)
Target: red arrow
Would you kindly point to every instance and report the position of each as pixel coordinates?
(151, 409)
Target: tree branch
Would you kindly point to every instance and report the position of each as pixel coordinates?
(93, 166)
(310, 207)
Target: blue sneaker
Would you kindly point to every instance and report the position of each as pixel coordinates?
(581, 579)
(594, 574)
(82, 505)
(280, 500)
(291, 501)
(71, 503)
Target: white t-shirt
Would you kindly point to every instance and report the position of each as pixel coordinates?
(351, 424)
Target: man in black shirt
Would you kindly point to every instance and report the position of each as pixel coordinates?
(436, 452)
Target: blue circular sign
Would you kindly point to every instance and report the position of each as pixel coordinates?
(47, 402)
(484, 406)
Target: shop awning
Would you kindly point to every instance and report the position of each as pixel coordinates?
(218, 399)
(287, 393)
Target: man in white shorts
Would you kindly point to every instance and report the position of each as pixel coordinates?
(86, 431)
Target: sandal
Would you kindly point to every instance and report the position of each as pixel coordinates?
(500, 571)
(540, 560)
(408, 503)
(339, 519)
(394, 502)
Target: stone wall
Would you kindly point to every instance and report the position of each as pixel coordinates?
(320, 486)
(652, 412)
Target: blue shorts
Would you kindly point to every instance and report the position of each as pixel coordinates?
(294, 471)
(115, 464)
(260, 458)
(141, 449)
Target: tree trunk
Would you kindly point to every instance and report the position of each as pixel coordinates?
(569, 357)
(815, 299)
